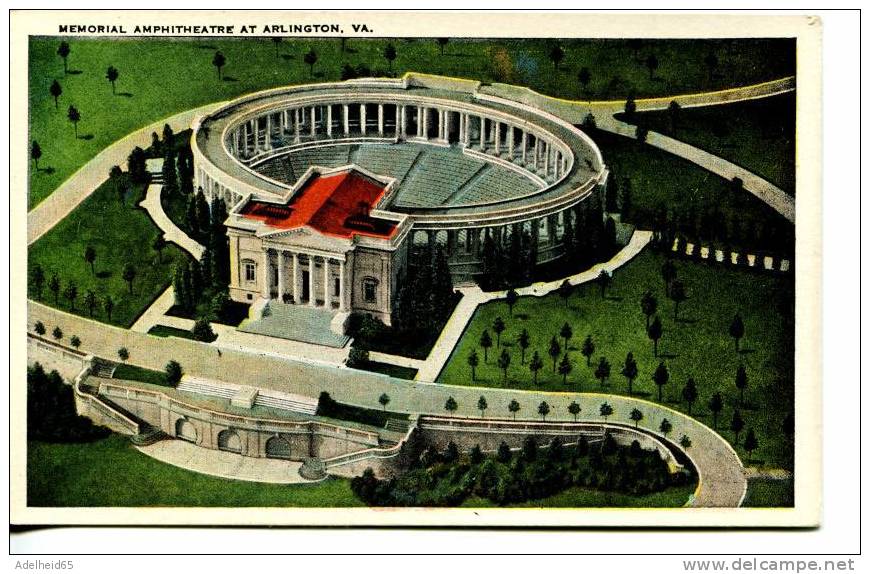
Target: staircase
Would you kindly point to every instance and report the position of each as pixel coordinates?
(398, 425)
(287, 402)
(201, 387)
(148, 435)
(103, 368)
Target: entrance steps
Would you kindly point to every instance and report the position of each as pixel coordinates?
(247, 397)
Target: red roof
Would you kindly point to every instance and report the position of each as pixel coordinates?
(337, 204)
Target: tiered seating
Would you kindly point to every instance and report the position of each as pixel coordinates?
(495, 184)
(332, 156)
(392, 161)
(436, 177)
(280, 169)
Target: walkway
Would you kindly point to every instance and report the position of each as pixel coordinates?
(224, 464)
(84, 181)
(171, 232)
(156, 314)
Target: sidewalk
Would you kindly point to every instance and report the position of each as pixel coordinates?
(171, 232)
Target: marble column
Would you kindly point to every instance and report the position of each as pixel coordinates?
(326, 290)
(482, 133)
(524, 139)
(281, 275)
(313, 122)
(381, 120)
(312, 300)
(342, 304)
(362, 119)
(497, 130)
(296, 120)
(267, 139)
(346, 117)
(297, 294)
(265, 275)
(510, 138)
(329, 120)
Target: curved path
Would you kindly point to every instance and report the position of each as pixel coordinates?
(84, 181)
(171, 232)
(721, 473)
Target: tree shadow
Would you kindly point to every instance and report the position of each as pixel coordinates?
(104, 274)
(351, 50)
(642, 394)
(206, 47)
(668, 355)
(86, 137)
(616, 298)
(318, 74)
(230, 79)
(288, 57)
(73, 72)
(48, 170)
(521, 316)
(747, 351)
(125, 94)
(687, 320)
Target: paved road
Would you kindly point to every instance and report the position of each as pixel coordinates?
(171, 232)
(83, 182)
(722, 482)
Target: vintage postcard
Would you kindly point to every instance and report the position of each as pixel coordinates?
(366, 268)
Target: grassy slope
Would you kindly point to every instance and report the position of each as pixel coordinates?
(88, 475)
(162, 77)
(758, 135)
(578, 497)
(699, 346)
(763, 493)
(118, 234)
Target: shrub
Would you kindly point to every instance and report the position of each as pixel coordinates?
(173, 372)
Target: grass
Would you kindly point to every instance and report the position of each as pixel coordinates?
(87, 475)
(128, 372)
(164, 331)
(120, 233)
(580, 497)
(396, 371)
(767, 493)
(697, 345)
(161, 77)
(327, 407)
(758, 135)
(661, 181)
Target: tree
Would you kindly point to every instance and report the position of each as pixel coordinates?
(588, 349)
(173, 372)
(485, 344)
(35, 153)
(574, 409)
(90, 301)
(504, 361)
(629, 370)
(652, 64)
(384, 399)
(202, 330)
(481, 405)
(543, 410)
(566, 333)
(90, 257)
(636, 416)
(71, 293)
(655, 333)
(219, 61)
(685, 442)
(535, 365)
(473, 361)
(660, 378)
(55, 90)
(604, 280)
(641, 133)
(476, 455)
(504, 453)
(669, 273)
(630, 107)
(37, 278)
(648, 305)
(112, 75)
(605, 410)
(129, 274)
(690, 394)
(677, 295)
(666, 427)
(451, 405)
(75, 341)
(736, 330)
(390, 55)
(63, 51)
(750, 443)
(523, 341)
(57, 333)
(602, 371)
(75, 117)
(39, 328)
(741, 381)
(158, 245)
(511, 299)
(108, 305)
(123, 354)
(736, 425)
(565, 291)
(54, 286)
(712, 62)
(557, 54)
(674, 110)
(715, 405)
(565, 368)
(442, 43)
(514, 408)
(498, 327)
(584, 77)
(554, 351)
(277, 40)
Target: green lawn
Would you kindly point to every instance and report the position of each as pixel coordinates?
(119, 234)
(87, 475)
(128, 372)
(763, 493)
(758, 135)
(579, 497)
(661, 181)
(698, 345)
(160, 77)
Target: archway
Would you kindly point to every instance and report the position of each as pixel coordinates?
(229, 440)
(185, 430)
(278, 447)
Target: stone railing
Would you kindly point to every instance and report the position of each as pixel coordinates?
(106, 415)
(376, 452)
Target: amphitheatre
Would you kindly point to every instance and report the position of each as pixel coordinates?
(334, 193)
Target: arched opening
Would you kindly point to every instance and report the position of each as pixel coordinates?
(278, 447)
(229, 441)
(185, 430)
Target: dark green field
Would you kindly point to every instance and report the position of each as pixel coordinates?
(161, 77)
(697, 345)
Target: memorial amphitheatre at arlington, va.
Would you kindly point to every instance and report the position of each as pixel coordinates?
(422, 285)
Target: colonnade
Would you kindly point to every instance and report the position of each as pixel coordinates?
(302, 277)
